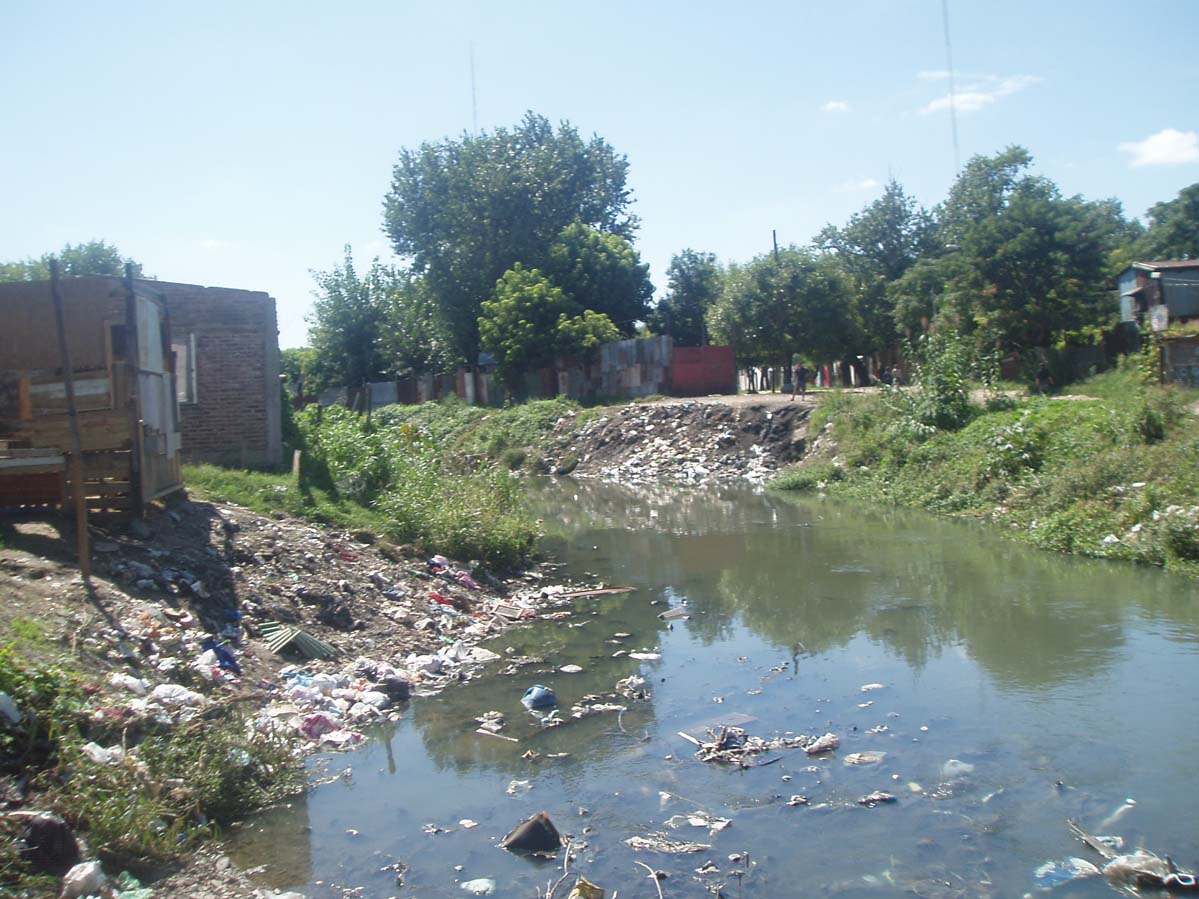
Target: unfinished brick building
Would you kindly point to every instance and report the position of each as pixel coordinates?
(226, 344)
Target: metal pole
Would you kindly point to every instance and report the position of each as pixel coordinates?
(68, 377)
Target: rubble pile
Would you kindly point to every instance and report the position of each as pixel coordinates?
(683, 442)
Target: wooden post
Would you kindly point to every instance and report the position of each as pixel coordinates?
(68, 377)
(295, 465)
(134, 397)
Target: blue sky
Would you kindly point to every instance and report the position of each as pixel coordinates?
(243, 144)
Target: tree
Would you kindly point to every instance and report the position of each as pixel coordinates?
(466, 211)
(413, 338)
(584, 334)
(1031, 264)
(92, 258)
(693, 282)
(1173, 231)
(773, 308)
(345, 325)
(520, 325)
(601, 272)
(877, 246)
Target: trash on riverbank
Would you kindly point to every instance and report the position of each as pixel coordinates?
(1137, 869)
(536, 834)
(281, 637)
(85, 879)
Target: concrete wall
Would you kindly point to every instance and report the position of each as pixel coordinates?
(236, 417)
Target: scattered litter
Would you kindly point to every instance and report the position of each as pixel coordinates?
(539, 697)
(102, 756)
(660, 842)
(467, 823)
(535, 834)
(869, 757)
(956, 768)
(699, 819)
(878, 729)
(601, 591)
(1129, 805)
(85, 879)
(8, 709)
(678, 613)
(482, 886)
(518, 786)
(1055, 873)
(866, 688)
(281, 636)
(585, 889)
(734, 744)
(870, 800)
(798, 800)
(571, 669)
(645, 656)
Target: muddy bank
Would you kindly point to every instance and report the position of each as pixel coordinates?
(680, 442)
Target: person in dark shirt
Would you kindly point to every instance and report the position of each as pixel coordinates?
(800, 383)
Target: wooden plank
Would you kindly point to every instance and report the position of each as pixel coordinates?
(85, 562)
(106, 464)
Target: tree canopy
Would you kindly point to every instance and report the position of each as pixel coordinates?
(1173, 231)
(95, 257)
(466, 211)
(693, 284)
(345, 324)
(772, 308)
(601, 272)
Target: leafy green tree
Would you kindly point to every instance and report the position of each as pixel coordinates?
(584, 334)
(1033, 264)
(346, 324)
(771, 309)
(693, 282)
(94, 257)
(413, 337)
(1173, 231)
(465, 211)
(601, 272)
(520, 325)
(877, 246)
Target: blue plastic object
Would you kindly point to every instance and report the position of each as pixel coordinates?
(538, 697)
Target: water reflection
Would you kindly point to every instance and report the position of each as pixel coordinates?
(800, 571)
(1038, 671)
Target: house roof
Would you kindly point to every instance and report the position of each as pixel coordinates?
(1167, 263)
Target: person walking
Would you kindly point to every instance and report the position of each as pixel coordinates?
(800, 383)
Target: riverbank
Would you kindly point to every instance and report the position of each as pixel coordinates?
(148, 708)
(1110, 471)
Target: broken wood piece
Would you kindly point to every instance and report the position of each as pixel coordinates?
(599, 591)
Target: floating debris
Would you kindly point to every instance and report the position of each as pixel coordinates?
(867, 688)
(713, 823)
(660, 842)
(734, 744)
(870, 800)
(535, 834)
(869, 757)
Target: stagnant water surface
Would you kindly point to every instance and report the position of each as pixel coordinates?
(1067, 685)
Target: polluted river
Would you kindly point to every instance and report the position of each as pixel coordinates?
(983, 693)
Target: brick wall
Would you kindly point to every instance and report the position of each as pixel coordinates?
(236, 416)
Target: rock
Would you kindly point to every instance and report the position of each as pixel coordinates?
(140, 530)
(535, 834)
(49, 845)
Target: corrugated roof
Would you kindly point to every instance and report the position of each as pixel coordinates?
(1169, 263)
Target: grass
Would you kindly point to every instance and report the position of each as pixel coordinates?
(1116, 477)
(176, 788)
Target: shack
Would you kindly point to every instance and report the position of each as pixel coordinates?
(118, 338)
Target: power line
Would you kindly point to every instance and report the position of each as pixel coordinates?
(953, 113)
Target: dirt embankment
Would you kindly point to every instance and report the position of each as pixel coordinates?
(687, 442)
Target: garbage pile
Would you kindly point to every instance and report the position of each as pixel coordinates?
(684, 442)
(734, 745)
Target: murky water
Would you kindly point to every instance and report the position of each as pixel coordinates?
(1065, 686)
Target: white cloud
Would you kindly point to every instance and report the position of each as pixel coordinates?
(856, 185)
(835, 106)
(981, 93)
(1168, 147)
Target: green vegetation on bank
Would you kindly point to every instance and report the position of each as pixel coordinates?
(1114, 475)
(176, 786)
(436, 475)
